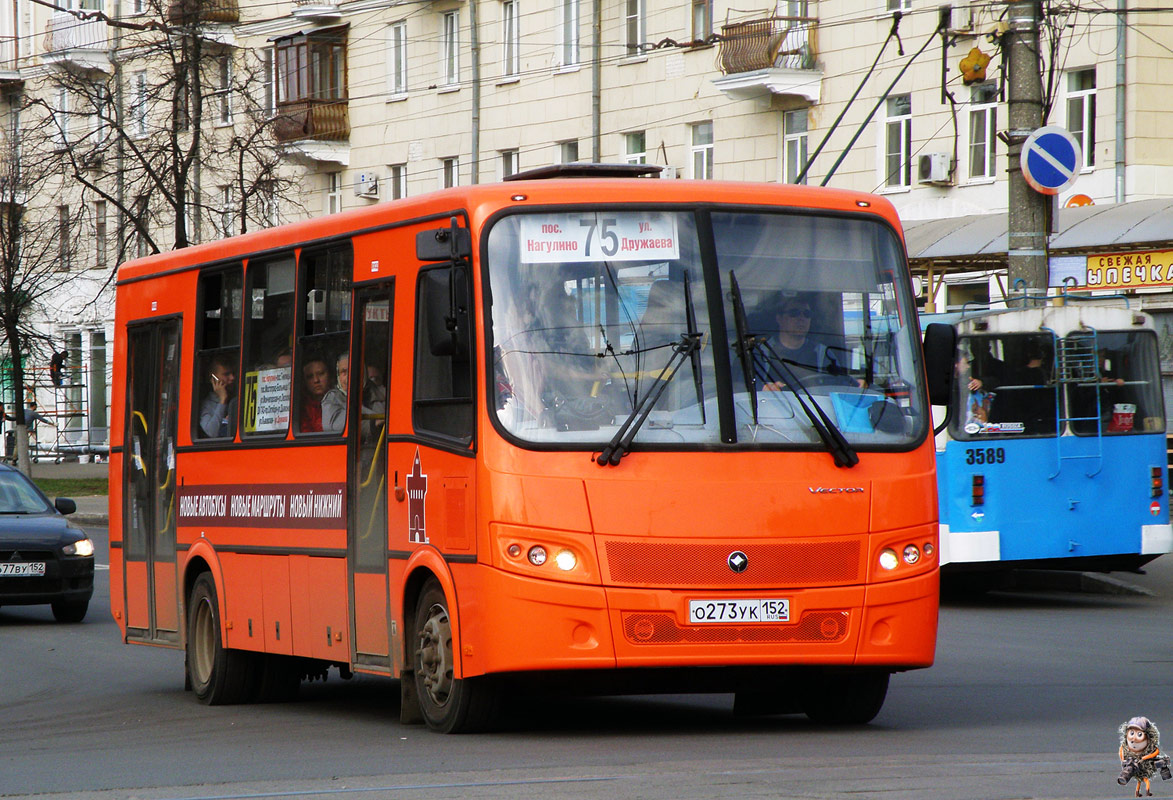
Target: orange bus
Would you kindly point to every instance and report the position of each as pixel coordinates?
(638, 434)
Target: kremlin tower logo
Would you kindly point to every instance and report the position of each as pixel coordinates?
(417, 489)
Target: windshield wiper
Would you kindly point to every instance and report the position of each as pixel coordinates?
(755, 351)
(621, 441)
(694, 354)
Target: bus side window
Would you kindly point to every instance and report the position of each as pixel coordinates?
(218, 357)
(268, 355)
(322, 379)
(443, 402)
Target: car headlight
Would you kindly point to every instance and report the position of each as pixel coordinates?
(82, 547)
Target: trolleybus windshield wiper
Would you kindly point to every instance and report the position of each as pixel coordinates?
(755, 351)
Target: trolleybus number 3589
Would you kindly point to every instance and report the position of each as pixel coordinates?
(739, 610)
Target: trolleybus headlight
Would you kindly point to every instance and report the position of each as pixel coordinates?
(888, 558)
(566, 560)
(537, 555)
(911, 554)
(82, 547)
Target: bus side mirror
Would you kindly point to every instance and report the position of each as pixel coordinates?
(940, 341)
(445, 302)
(443, 244)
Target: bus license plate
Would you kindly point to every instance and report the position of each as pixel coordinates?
(738, 611)
(9, 569)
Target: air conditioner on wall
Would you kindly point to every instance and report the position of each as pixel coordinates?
(933, 168)
(367, 185)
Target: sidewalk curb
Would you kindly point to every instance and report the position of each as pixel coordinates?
(90, 519)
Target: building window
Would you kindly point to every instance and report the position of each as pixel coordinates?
(311, 67)
(227, 210)
(899, 5)
(702, 20)
(510, 39)
(983, 128)
(633, 27)
(568, 33)
(398, 181)
(269, 78)
(450, 51)
(449, 173)
(100, 233)
(397, 59)
(1081, 112)
(138, 103)
(794, 145)
(702, 151)
(223, 92)
(509, 161)
(61, 133)
(898, 142)
(64, 239)
(333, 192)
(635, 146)
(142, 245)
(269, 211)
(568, 151)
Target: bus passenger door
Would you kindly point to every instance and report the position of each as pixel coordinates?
(149, 514)
(367, 468)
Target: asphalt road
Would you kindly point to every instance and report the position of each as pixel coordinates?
(1024, 701)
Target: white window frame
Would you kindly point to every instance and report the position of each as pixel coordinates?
(568, 33)
(634, 27)
(900, 125)
(224, 90)
(449, 172)
(62, 133)
(701, 151)
(333, 199)
(398, 181)
(983, 117)
(397, 59)
(795, 131)
(138, 94)
(510, 39)
(635, 147)
(269, 81)
(508, 163)
(889, 6)
(702, 19)
(1085, 99)
(568, 152)
(450, 48)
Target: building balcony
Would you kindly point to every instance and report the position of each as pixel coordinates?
(215, 12)
(316, 10)
(769, 56)
(314, 130)
(73, 42)
(10, 76)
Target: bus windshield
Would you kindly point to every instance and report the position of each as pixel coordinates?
(595, 313)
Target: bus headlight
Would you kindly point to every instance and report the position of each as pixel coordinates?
(888, 559)
(566, 560)
(911, 554)
(537, 555)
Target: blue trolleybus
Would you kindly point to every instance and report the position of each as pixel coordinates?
(1053, 451)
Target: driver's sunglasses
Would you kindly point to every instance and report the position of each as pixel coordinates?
(797, 312)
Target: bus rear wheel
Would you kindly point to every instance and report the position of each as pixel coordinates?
(845, 698)
(218, 675)
(448, 704)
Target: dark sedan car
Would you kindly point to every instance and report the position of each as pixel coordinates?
(43, 558)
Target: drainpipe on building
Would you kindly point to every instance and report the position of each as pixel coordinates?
(596, 81)
(475, 46)
(119, 149)
(1121, 30)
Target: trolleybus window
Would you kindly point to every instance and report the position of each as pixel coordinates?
(815, 316)
(268, 360)
(220, 297)
(1005, 386)
(1123, 394)
(323, 348)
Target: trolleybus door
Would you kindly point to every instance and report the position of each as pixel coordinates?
(367, 468)
(149, 498)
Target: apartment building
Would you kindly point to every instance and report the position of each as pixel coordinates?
(371, 100)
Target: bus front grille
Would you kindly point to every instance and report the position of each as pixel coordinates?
(662, 628)
(825, 562)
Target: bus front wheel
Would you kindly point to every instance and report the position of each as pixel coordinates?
(448, 704)
(218, 674)
(845, 698)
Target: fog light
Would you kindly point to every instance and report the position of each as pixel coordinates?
(911, 554)
(565, 560)
(537, 555)
(514, 550)
(888, 559)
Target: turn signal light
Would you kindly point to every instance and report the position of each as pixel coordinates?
(1158, 482)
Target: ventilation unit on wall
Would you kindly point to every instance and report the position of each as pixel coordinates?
(367, 185)
(933, 168)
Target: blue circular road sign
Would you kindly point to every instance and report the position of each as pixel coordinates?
(1051, 159)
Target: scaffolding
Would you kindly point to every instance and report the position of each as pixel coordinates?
(61, 429)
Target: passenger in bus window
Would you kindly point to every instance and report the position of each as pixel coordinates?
(316, 381)
(218, 410)
(1109, 368)
(374, 390)
(334, 401)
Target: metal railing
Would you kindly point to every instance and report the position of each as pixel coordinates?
(324, 120)
(67, 32)
(755, 44)
(218, 11)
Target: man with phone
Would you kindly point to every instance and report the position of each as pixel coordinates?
(218, 410)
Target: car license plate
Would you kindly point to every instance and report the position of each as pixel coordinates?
(738, 611)
(11, 569)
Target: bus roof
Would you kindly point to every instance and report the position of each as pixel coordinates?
(483, 200)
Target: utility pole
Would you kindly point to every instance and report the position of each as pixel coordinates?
(1026, 216)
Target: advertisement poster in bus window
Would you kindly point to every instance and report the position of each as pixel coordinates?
(606, 236)
(266, 400)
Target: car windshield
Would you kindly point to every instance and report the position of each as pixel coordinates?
(598, 316)
(19, 496)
